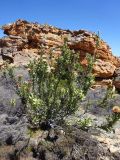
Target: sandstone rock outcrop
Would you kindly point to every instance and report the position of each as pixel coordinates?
(27, 38)
(116, 81)
(103, 69)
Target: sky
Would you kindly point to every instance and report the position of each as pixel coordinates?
(91, 15)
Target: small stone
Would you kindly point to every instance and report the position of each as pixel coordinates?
(113, 149)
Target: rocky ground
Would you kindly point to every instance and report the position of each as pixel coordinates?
(17, 140)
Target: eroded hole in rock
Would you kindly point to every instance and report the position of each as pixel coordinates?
(42, 155)
(9, 140)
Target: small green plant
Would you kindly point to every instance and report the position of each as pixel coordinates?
(84, 123)
(13, 102)
(23, 89)
(110, 94)
(8, 70)
(111, 120)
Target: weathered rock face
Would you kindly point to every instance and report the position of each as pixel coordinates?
(103, 69)
(26, 39)
(116, 81)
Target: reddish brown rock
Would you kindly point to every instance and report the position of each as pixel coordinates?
(103, 69)
(23, 35)
(116, 81)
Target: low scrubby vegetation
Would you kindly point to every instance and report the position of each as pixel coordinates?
(55, 88)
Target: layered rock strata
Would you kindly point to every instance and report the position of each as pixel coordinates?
(24, 41)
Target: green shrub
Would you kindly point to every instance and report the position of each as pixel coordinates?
(55, 86)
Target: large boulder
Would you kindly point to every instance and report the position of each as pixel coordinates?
(103, 69)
